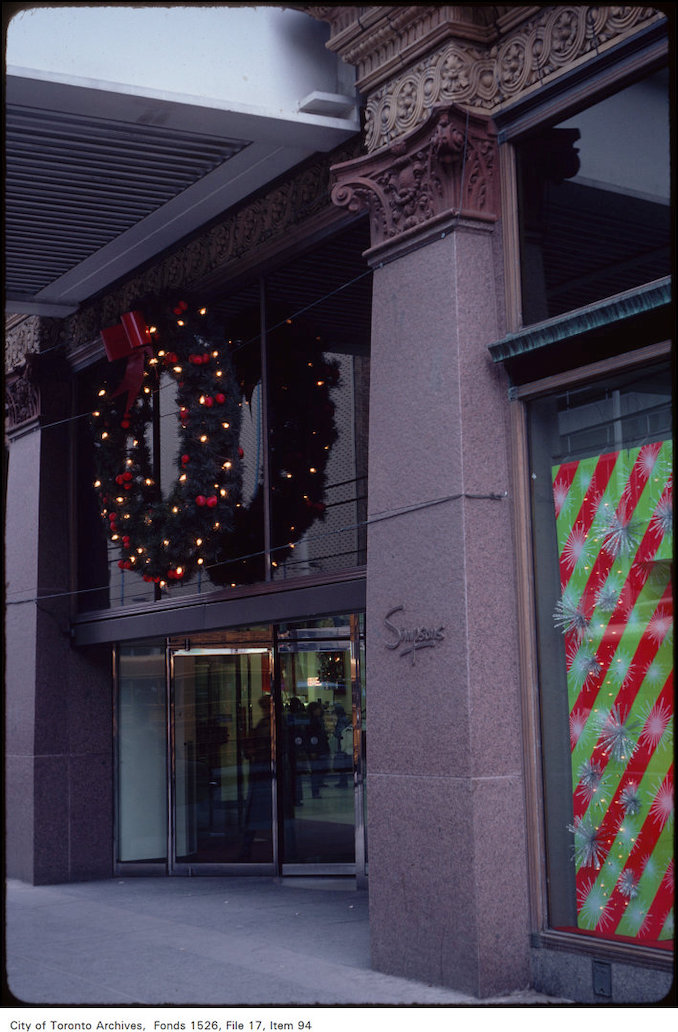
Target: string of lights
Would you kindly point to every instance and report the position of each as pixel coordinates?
(316, 536)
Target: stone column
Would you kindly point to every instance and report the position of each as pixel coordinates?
(58, 702)
(446, 827)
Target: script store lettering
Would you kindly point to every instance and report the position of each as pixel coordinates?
(409, 640)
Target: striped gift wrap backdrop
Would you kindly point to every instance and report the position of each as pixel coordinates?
(614, 533)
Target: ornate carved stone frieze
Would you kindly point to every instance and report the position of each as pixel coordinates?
(408, 64)
(36, 387)
(445, 167)
(29, 335)
(381, 39)
(22, 399)
(222, 248)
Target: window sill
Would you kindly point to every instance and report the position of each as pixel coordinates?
(622, 953)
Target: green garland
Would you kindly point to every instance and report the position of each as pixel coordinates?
(168, 539)
(301, 432)
(202, 522)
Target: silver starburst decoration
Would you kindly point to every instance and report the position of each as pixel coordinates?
(570, 616)
(621, 666)
(584, 665)
(622, 535)
(657, 724)
(588, 850)
(628, 884)
(662, 521)
(592, 901)
(630, 799)
(591, 777)
(617, 734)
(607, 598)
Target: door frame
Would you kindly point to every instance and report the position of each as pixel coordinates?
(206, 869)
(275, 868)
(358, 868)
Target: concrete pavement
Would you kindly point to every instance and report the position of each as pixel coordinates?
(201, 942)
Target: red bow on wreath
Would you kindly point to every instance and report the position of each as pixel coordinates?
(130, 337)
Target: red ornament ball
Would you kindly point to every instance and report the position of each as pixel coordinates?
(200, 500)
(211, 501)
(220, 398)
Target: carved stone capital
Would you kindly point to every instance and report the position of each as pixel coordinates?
(444, 168)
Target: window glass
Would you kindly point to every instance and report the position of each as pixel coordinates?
(318, 435)
(293, 450)
(601, 461)
(594, 201)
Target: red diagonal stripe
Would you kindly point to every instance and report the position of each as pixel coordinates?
(589, 507)
(632, 775)
(565, 475)
(660, 907)
(644, 845)
(608, 645)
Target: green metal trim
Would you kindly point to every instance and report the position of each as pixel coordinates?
(584, 320)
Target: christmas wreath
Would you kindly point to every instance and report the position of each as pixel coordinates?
(202, 522)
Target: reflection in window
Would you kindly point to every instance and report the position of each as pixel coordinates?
(602, 461)
(318, 431)
(142, 753)
(594, 202)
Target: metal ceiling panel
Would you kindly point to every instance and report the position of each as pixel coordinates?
(74, 183)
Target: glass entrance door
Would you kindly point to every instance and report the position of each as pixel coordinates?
(247, 748)
(321, 749)
(223, 756)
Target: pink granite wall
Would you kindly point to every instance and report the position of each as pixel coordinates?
(446, 829)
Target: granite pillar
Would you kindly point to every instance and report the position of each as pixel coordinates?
(446, 839)
(58, 702)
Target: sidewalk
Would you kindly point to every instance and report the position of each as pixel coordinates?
(203, 941)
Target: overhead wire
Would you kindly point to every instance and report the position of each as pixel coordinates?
(317, 536)
(242, 344)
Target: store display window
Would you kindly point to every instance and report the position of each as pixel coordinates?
(601, 466)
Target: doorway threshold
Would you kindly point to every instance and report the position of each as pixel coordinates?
(346, 883)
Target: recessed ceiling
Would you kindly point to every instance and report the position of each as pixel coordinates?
(74, 183)
(99, 182)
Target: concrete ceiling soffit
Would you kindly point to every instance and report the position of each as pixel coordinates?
(99, 182)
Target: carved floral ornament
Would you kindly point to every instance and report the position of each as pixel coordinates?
(444, 168)
(451, 65)
(22, 400)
